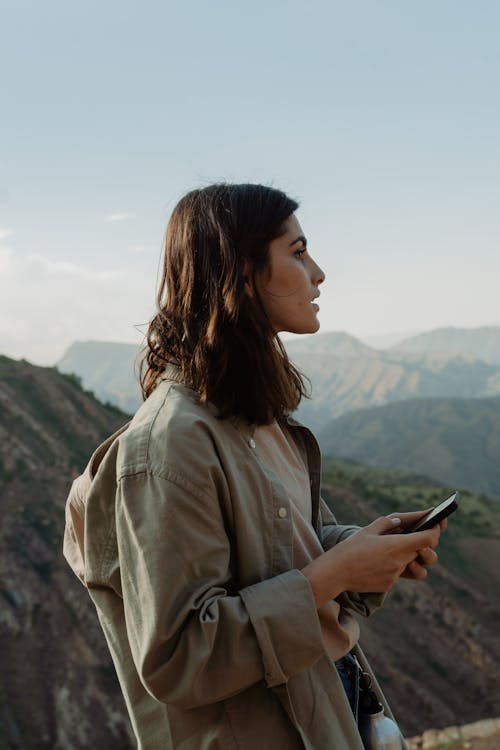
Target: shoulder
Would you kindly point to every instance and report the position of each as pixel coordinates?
(173, 433)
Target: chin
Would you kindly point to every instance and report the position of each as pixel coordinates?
(304, 329)
(314, 327)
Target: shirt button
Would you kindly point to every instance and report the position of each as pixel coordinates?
(282, 512)
(252, 443)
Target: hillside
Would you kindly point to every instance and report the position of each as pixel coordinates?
(54, 659)
(342, 384)
(435, 645)
(345, 374)
(59, 689)
(477, 343)
(457, 441)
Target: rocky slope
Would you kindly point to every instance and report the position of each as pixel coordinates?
(480, 735)
(59, 690)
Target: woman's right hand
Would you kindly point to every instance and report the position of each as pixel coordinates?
(371, 560)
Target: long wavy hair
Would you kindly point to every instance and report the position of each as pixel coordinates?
(206, 323)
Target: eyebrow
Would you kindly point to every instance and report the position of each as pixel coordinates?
(301, 238)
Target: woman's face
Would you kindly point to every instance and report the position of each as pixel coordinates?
(289, 285)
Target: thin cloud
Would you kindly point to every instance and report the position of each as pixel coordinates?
(72, 269)
(120, 216)
(6, 260)
(5, 233)
(47, 303)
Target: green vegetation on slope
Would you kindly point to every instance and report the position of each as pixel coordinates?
(398, 491)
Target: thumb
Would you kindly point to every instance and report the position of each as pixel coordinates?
(384, 525)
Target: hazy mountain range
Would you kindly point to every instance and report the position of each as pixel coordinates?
(59, 688)
(479, 343)
(418, 386)
(107, 368)
(345, 373)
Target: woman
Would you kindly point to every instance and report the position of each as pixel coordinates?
(223, 583)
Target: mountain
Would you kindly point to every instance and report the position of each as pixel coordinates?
(477, 343)
(342, 384)
(336, 343)
(345, 374)
(435, 644)
(107, 368)
(59, 688)
(457, 441)
(386, 340)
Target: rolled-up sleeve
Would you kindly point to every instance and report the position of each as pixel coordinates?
(194, 639)
(332, 532)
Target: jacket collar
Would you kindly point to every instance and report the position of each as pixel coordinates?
(172, 373)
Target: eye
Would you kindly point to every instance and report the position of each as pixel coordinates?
(299, 253)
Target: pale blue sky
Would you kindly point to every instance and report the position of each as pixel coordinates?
(383, 118)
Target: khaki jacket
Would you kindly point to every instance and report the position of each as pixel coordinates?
(184, 540)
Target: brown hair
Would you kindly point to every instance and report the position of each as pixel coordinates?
(206, 323)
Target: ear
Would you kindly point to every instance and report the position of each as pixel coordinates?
(246, 272)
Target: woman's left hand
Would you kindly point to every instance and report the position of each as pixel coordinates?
(417, 569)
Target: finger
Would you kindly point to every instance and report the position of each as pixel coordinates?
(411, 517)
(415, 570)
(443, 524)
(427, 557)
(407, 572)
(428, 538)
(384, 524)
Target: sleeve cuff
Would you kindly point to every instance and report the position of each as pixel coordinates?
(283, 614)
(333, 534)
(364, 604)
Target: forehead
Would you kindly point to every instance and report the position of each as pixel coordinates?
(292, 227)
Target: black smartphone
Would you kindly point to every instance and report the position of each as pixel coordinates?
(437, 514)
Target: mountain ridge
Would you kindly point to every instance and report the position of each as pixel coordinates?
(457, 441)
(482, 343)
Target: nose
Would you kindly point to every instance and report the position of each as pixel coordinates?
(318, 274)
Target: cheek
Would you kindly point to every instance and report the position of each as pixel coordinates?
(286, 280)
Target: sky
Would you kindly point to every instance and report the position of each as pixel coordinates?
(382, 118)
